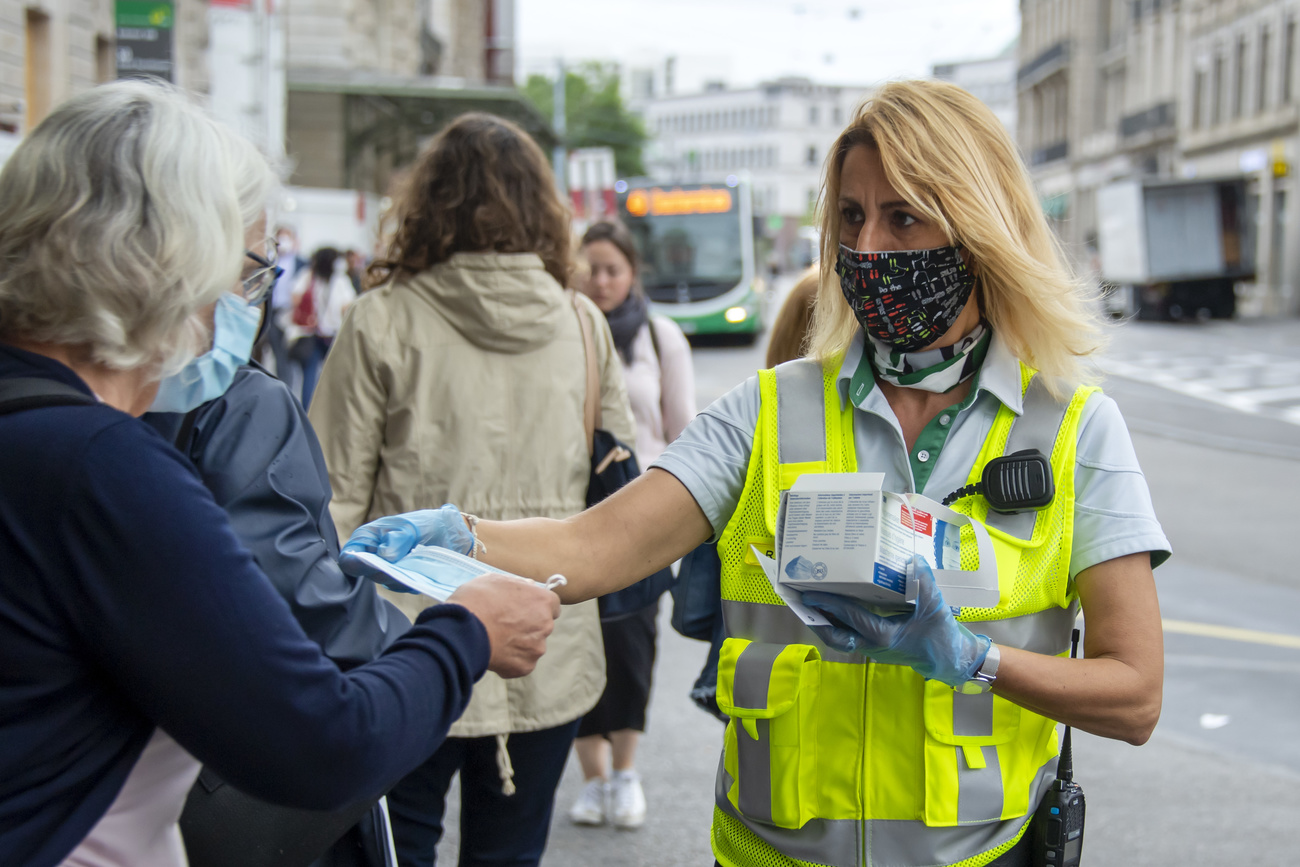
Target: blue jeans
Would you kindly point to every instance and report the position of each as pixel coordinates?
(315, 360)
(495, 829)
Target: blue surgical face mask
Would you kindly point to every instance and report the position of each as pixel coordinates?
(207, 377)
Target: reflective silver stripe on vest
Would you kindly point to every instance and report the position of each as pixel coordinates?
(972, 715)
(833, 842)
(896, 841)
(979, 790)
(1036, 428)
(754, 757)
(776, 624)
(801, 413)
(837, 842)
(1046, 632)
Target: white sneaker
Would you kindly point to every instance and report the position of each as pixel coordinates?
(589, 809)
(628, 800)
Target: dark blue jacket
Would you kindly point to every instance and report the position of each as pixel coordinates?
(127, 603)
(256, 452)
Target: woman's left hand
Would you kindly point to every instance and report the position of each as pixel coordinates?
(927, 638)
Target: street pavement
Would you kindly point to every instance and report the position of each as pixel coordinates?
(1214, 409)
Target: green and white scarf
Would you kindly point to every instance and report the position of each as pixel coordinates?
(936, 370)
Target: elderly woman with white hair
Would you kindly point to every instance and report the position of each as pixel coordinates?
(139, 637)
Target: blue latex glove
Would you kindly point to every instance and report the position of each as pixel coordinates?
(927, 638)
(393, 538)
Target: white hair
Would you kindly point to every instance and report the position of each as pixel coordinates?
(124, 215)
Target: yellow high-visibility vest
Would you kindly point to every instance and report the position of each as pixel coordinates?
(832, 759)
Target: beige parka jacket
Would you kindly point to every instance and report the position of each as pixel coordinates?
(465, 384)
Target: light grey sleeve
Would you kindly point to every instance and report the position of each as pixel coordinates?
(711, 457)
(1113, 515)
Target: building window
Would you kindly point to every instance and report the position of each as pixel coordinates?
(105, 60)
(837, 115)
(1288, 63)
(1261, 82)
(1216, 92)
(1239, 79)
(812, 115)
(37, 88)
(812, 155)
(1198, 99)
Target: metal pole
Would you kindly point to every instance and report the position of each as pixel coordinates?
(559, 157)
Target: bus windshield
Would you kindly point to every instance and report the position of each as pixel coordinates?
(696, 248)
(689, 238)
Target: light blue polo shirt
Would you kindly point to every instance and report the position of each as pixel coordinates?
(1113, 516)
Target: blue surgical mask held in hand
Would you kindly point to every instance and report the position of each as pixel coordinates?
(209, 376)
(928, 638)
(906, 298)
(435, 572)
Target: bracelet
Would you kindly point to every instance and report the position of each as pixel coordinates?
(478, 547)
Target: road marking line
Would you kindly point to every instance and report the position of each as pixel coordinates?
(1232, 633)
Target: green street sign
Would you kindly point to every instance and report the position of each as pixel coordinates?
(155, 14)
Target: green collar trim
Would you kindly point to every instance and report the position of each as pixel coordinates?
(863, 381)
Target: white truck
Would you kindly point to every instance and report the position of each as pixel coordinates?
(1180, 245)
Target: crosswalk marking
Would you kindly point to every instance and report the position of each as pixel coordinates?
(1257, 383)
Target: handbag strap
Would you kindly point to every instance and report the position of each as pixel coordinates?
(591, 403)
(24, 393)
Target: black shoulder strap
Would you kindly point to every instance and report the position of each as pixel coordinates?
(654, 341)
(23, 393)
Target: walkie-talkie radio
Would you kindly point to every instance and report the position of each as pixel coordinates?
(1019, 482)
(1058, 823)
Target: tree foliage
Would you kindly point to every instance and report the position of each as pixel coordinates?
(594, 113)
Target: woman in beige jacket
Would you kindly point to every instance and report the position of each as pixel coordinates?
(461, 378)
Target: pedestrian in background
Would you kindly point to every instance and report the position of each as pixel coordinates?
(697, 600)
(661, 386)
(788, 338)
(323, 294)
(291, 265)
(462, 377)
(138, 636)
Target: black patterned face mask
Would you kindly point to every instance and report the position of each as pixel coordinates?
(906, 298)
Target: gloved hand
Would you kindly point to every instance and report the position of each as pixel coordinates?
(927, 638)
(393, 538)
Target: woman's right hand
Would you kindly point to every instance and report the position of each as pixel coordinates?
(518, 616)
(393, 537)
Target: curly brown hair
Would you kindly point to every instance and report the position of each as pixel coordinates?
(481, 185)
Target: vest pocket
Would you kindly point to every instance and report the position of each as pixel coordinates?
(770, 692)
(971, 742)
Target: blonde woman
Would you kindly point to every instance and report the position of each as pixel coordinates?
(948, 331)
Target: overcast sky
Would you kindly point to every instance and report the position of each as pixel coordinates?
(747, 41)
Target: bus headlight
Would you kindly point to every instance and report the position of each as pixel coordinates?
(736, 315)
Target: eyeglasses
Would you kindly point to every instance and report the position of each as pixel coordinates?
(259, 283)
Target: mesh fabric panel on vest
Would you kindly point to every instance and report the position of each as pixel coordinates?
(1042, 574)
(737, 846)
(750, 519)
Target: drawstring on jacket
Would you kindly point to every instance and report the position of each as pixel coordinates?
(504, 768)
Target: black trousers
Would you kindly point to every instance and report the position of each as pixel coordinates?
(496, 830)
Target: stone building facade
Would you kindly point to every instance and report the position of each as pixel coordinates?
(1166, 90)
(52, 49)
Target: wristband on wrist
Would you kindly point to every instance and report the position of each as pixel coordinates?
(478, 547)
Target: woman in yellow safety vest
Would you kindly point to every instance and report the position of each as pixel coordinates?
(948, 332)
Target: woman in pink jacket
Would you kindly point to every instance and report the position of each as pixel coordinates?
(661, 387)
